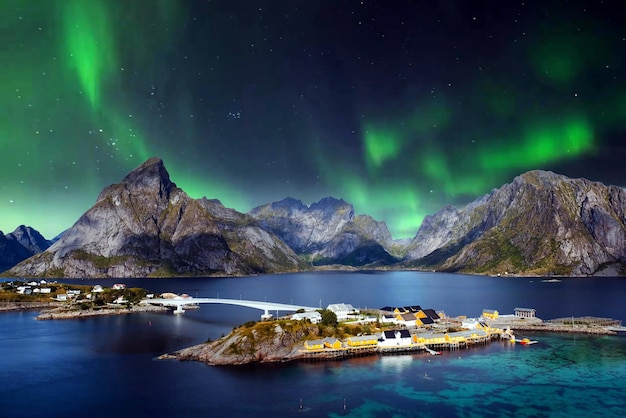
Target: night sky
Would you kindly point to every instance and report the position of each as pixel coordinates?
(398, 107)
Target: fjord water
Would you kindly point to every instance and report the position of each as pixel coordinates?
(107, 366)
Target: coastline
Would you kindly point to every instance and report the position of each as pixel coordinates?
(27, 306)
(63, 313)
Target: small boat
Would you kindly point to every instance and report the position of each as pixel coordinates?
(525, 341)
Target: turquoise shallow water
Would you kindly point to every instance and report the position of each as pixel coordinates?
(561, 376)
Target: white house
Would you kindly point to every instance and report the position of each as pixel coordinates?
(24, 290)
(97, 289)
(120, 300)
(394, 338)
(313, 316)
(388, 318)
(119, 286)
(470, 323)
(342, 310)
(45, 290)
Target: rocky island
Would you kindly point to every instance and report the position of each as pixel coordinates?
(286, 340)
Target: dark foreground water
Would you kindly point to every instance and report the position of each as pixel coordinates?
(101, 367)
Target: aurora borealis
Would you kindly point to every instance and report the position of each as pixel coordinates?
(399, 108)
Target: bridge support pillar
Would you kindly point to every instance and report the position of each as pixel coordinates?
(179, 310)
(266, 316)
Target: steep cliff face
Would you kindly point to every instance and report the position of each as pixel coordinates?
(146, 226)
(20, 244)
(327, 232)
(541, 223)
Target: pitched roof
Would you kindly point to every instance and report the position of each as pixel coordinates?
(404, 333)
(431, 313)
(363, 338)
(427, 321)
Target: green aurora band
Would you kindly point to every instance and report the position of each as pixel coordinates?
(78, 114)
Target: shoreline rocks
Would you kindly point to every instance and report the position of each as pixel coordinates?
(62, 313)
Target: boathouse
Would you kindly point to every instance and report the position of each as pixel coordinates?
(330, 342)
(525, 312)
(314, 344)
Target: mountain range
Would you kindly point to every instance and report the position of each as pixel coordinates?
(541, 224)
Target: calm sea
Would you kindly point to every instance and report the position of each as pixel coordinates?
(101, 367)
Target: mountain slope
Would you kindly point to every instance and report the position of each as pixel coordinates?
(540, 224)
(327, 232)
(146, 226)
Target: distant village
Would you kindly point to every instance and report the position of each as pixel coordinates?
(414, 328)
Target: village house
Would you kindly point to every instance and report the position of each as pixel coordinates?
(97, 289)
(395, 338)
(342, 310)
(24, 290)
(428, 313)
(406, 319)
(388, 318)
(490, 314)
(119, 286)
(362, 341)
(313, 316)
(470, 323)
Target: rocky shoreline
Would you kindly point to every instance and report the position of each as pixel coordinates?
(563, 328)
(27, 306)
(64, 313)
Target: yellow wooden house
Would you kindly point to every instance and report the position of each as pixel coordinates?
(362, 341)
(490, 314)
(429, 338)
(314, 344)
(332, 343)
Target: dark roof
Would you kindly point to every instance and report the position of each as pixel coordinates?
(388, 309)
(431, 313)
(391, 334)
(413, 308)
(427, 321)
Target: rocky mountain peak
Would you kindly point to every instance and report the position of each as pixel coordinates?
(150, 177)
(541, 223)
(146, 226)
(30, 238)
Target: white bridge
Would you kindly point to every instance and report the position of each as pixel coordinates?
(264, 306)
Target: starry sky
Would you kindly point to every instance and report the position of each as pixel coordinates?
(398, 107)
